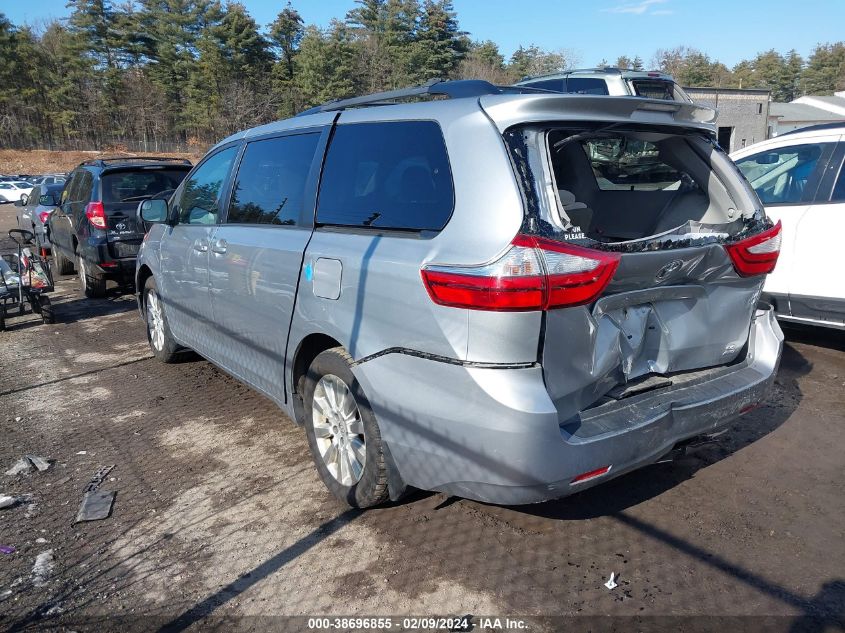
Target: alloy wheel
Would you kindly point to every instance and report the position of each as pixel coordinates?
(83, 276)
(339, 430)
(155, 321)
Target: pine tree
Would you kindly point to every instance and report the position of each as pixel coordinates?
(440, 44)
(825, 71)
(286, 33)
(174, 28)
(325, 64)
(484, 61)
(228, 87)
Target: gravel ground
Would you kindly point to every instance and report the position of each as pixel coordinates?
(220, 519)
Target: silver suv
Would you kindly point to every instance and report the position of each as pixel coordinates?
(499, 295)
(615, 82)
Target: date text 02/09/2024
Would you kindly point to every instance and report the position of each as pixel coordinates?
(411, 623)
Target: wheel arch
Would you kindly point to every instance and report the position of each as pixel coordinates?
(308, 349)
(144, 273)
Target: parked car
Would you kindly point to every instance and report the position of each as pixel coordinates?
(618, 82)
(504, 296)
(14, 190)
(33, 215)
(95, 228)
(799, 176)
(50, 179)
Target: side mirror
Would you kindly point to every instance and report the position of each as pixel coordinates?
(20, 202)
(153, 211)
(24, 199)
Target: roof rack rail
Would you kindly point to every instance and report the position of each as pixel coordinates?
(101, 162)
(455, 89)
(598, 69)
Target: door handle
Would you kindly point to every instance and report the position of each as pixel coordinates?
(201, 246)
(219, 246)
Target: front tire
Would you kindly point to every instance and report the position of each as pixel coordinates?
(161, 341)
(342, 432)
(93, 285)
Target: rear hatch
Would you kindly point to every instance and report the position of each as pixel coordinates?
(668, 234)
(122, 189)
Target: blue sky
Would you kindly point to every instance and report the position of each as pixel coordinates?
(728, 30)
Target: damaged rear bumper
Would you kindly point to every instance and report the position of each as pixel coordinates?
(495, 435)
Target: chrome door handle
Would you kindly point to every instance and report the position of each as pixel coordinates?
(219, 246)
(201, 246)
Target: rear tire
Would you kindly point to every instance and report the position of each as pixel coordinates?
(93, 285)
(161, 341)
(61, 263)
(342, 432)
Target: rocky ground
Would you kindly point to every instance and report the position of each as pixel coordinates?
(220, 519)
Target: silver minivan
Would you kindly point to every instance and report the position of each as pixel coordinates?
(498, 294)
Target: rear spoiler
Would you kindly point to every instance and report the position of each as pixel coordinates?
(507, 111)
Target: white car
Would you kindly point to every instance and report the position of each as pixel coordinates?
(800, 179)
(14, 190)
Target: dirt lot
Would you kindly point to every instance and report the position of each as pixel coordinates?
(220, 519)
(38, 161)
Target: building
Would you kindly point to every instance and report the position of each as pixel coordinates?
(785, 117)
(834, 104)
(743, 114)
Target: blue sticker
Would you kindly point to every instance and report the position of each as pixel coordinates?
(309, 272)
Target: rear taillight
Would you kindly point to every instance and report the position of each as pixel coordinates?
(96, 214)
(43, 215)
(534, 274)
(758, 254)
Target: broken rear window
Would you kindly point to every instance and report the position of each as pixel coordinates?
(618, 186)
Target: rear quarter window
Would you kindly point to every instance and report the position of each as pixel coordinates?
(390, 175)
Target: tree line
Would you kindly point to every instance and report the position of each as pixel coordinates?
(172, 74)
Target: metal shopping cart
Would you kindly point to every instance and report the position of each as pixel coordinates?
(26, 278)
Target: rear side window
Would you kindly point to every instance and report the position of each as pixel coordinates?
(622, 163)
(132, 186)
(270, 185)
(585, 86)
(392, 175)
(785, 175)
